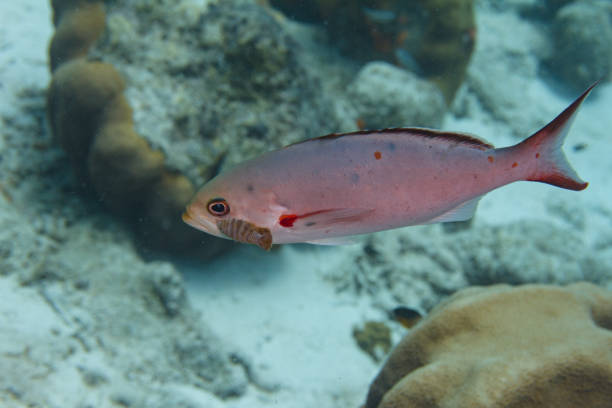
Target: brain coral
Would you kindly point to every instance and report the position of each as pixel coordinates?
(503, 346)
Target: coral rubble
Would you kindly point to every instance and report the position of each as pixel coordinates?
(425, 264)
(530, 346)
(213, 86)
(374, 339)
(81, 309)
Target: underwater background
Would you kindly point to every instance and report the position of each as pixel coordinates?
(112, 115)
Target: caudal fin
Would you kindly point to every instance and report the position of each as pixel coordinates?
(545, 146)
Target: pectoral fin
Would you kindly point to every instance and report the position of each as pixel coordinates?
(243, 231)
(322, 219)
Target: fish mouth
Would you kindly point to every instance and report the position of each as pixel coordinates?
(246, 232)
(201, 224)
(188, 219)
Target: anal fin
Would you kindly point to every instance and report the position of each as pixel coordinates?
(462, 212)
(349, 240)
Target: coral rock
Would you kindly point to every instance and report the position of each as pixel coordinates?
(582, 35)
(224, 83)
(531, 346)
(387, 96)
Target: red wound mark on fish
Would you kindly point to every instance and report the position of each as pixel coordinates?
(490, 159)
(537, 155)
(515, 164)
(287, 220)
(377, 155)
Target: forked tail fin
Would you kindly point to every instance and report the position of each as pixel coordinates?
(545, 147)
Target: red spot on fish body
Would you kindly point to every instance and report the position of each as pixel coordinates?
(377, 155)
(287, 220)
(490, 159)
(514, 164)
(537, 155)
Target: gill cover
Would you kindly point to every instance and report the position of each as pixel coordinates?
(244, 231)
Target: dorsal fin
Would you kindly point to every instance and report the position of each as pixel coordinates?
(459, 138)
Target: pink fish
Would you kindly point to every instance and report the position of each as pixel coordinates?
(327, 189)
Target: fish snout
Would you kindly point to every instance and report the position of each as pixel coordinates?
(187, 218)
(202, 223)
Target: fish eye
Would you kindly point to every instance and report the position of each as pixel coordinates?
(218, 207)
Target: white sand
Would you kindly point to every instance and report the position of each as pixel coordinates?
(277, 309)
(25, 31)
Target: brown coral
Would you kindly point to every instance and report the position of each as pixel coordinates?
(78, 23)
(447, 42)
(77, 106)
(434, 37)
(91, 119)
(531, 346)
